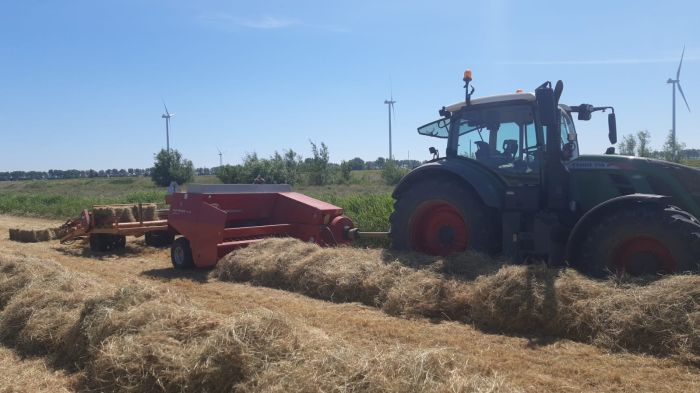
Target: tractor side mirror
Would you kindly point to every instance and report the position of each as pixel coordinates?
(546, 105)
(612, 128)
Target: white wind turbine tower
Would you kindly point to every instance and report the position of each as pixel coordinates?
(167, 115)
(390, 106)
(221, 162)
(677, 84)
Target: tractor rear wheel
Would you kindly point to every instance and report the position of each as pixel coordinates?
(646, 239)
(181, 254)
(440, 217)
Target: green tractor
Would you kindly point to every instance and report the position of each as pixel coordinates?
(512, 182)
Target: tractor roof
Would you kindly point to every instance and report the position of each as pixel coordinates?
(527, 97)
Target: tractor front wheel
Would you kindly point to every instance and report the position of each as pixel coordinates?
(643, 240)
(439, 217)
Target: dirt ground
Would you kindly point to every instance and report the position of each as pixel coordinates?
(533, 364)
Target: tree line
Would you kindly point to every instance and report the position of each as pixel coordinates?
(89, 173)
(639, 144)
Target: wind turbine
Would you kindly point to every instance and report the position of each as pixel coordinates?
(390, 102)
(677, 84)
(221, 163)
(167, 115)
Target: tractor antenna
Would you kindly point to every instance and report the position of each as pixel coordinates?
(467, 92)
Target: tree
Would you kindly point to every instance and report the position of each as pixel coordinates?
(169, 167)
(345, 171)
(643, 140)
(318, 165)
(392, 173)
(357, 164)
(671, 150)
(627, 145)
(230, 174)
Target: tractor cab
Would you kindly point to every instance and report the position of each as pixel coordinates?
(502, 133)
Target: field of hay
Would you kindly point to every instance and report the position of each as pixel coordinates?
(76, 321)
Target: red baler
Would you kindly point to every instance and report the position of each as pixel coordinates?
(216, 219)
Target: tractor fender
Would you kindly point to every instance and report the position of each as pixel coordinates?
(487, 185)
(603, 209)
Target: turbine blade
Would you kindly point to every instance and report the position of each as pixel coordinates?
(680, 89)
(166, 107)
(678, 74)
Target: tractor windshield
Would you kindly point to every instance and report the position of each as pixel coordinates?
(438, 128)
(501, 137)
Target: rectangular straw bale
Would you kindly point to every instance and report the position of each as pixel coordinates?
(148, 211)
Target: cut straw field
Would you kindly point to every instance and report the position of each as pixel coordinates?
(128, 322)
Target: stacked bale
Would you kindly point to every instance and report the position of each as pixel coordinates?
(106, 216)
(148, 212)
(31, 235)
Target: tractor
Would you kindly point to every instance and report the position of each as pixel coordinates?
(512, 182)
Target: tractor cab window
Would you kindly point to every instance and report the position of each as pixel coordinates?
(503, 138)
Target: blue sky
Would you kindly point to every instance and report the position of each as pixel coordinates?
(82, 81)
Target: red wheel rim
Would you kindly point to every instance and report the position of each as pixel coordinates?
(437, 228)
(643, 254)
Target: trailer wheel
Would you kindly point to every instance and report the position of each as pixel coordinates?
(645, 239)
(159, 238)
(99, 243)
(181, 254)
(440, 217)
(118, 242)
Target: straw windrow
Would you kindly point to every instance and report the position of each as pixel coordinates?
(660, 318)
(143, 339)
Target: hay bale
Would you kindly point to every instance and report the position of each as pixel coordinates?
(103, 216)
(148, 210)
(31, 235)
(106, 216)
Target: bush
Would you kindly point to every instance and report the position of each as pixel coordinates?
(230, 174)
(278, 169)
(393, 173)
(169, 167)
(319, 172)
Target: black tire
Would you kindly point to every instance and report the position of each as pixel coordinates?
(181, 254)
(642, 240)
(99, 243)
(118, 242)
(433, 216)
(159, 238)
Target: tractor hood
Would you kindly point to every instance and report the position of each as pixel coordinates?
(620, 175)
